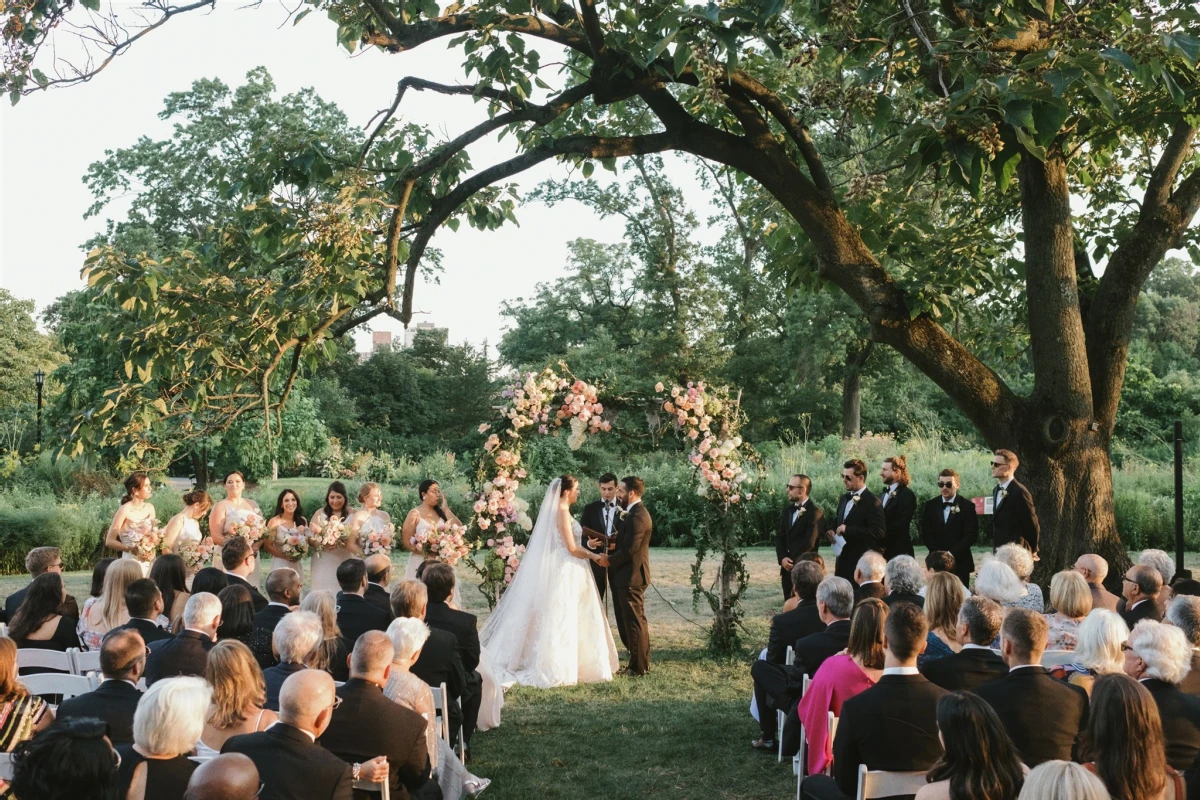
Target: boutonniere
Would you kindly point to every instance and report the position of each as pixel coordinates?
(955, 509)
(1003, 493)
(622, 513)
(802, 510)
(855, 498)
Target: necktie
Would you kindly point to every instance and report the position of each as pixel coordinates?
(607, 516)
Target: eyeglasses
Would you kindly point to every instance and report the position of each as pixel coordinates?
(261, 787)
(337, 702)
(847, 478)
(945, 484)
(793, 486)
(1128, 579)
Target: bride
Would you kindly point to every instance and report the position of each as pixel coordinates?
(549, 628)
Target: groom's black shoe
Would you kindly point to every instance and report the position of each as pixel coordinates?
(766, 745)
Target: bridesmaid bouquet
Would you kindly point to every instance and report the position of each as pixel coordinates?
(196, 554)
(445, 541)
(293, 543)
(332, 536)
(146, 543)
(378, 541)
(251, 529)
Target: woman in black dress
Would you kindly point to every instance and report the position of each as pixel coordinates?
(166, 726)
(237, 622)
(38, 623)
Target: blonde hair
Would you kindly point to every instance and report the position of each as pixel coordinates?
(944, 595)
(237, 682)
(112, 598)
(170, 716)
(365, 490)
(1062, 780)
(1070, 595)
(322, 604)
(10, 686)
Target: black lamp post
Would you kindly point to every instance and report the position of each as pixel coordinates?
(39, 378)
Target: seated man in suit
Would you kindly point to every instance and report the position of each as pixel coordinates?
(39, 561)
(144, 602)
(979, 621)
(122, 662)
(241, 562)
(379, 575)
(1184, 613)
(229, 776)
(1140, 589)
(1044, 717)
(355, 616)
(283, 596)
(439, 583)
(1094, 570)
(904, 579)
(1165, 565)
(789, 627)
(942, 561)
(295, 641)
(1160, 656)
(891, 726)
(289, 761)
(868, 576)
(366, 724)
(187, 653)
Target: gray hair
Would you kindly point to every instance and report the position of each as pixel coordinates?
(408, 635)
(296, 636)
(904, 575)
(201, 609)
(872, 566)
(983, 619)
(1161, 562)
(170, 715)
(1164, 648)
(997, 581)
(1062, 780)
(1184, 613)
(1017, 558)
(373, 651)
(838, 596)
(1098, 642)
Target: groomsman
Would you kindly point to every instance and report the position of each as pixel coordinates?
(798, 531)
(948, 522)
(1014, 518)
(859, 519)
(899, 506)
(602, 515)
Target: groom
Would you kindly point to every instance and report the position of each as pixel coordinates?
(629, 573)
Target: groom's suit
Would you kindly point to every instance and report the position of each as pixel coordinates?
(628, 575)
(594, 515)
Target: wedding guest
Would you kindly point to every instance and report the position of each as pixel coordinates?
(209, 579)
(1098, 650)
(290, 763)
(241, 563)
(233, 510)
(902, 578)
(166, 726)
(841, 677)
(859, 520)
(332, 652)
(869, 573)
(1124, 744)
(283, 594)
(38, 561)
(38, 622)
(355, 616)
(793, 601)
(899, 506)
(238, 700)
(943, 602)
(184, 528)
(1062, 780)
(1094, 570)
(1014, 519)
(980, 762)
(949, 523)
(135, 516)
(296, 639)
(98, 573)
(170, 574)
(941, 561)
(237, 623)
(107, 611)
(70, 761)
(144, 602)
(979, 620)
(1072, 601)
(1165, 565)
(790, 626)
(24, 714)
(122, 662)
(1020, 561)
(287, 520)
(439, 580)
(1184, 613)
(892, 725)
(1159, 656)
(1141, 588)
(1023, 697)
(229, 776)
(996, 581)
(379, 576)
(187, 653)
(799, 529)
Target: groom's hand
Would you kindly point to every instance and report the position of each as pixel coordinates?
(602, 561)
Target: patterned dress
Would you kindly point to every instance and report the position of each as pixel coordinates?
(18, 716)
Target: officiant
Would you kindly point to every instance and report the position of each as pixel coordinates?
(602, 516)
(800, 527)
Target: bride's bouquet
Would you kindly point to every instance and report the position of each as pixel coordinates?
(195, 553)
(444, 541)
(146, 542)
(252, 529)
(378, 540)
(293, 543)
(331, 536)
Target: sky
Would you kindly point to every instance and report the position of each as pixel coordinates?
(48, 140)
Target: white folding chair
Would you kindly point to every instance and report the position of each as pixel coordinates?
(1052, 658)
(85, 660)
(3, 629)
(439, 709)
(53, 683)
(142, 685)
(45, 659)
(6, 766)
(833, 723)
(789, 659)
(800, 760)
(95, 679)
(383, 787)
(880, 783)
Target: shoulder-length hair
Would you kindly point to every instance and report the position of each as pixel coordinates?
(1124, 738)
(170, 716)
(322, 604)
(237, 612)
(170, 573)
(339, 488)
(298, 517)
(237, 683)
(112, 602)
(944, 595)
(10, 687)
(41, 602)
(866, 632)
(980, 759)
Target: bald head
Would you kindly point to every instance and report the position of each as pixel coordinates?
(1092, 567)
(230, 776)
(379, 569)
(372, 657)
(283, 586)
(123, 655)
(306, 700)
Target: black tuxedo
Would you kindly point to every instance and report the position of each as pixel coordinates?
(812, 650)
(864, 530)
(1147, 609)
(795, 538)
(904, 597)
(185, 654)
(274, 678)
(464, 626)
(898, 513)
(628, 574)
(1014, 518)
(777, 686)
(954, 533)
(148, 630)
(964, 671)
(355, 616)
(13, 602)
(593, 517)
(114, 701)
(256, 596)
(1180, 714)
(870, 589)
(271, 616)
(290, 765)
(440, 663)
(381, 598)
(790, 626)
(1043, 716)
(367, 724)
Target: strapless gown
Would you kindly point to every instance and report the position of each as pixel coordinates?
(127, 537)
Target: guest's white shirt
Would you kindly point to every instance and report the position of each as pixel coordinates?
(309, 734)
(901, 671)
(1135, 605)
(281, 605)
(973, 646)
(1023, 666)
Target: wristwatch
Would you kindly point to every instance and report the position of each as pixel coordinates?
(355, 771)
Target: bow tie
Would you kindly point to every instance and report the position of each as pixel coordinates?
(947, 503)
(797, 506)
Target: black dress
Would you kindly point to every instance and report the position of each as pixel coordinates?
(259, 642)
(166, 778)
(64, 638)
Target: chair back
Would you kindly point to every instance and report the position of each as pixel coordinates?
(833, 723)
(6, 766)
(881, 783)
(53, 683)
(789, 658)
(85, 660)
(1052, 658)
(439, 709)
(45, 659)
(383, 788)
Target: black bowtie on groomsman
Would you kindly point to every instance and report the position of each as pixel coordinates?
(862, 514)
(799, 531)
(1014, 519)
(603, 516)
(899, 506)
(951, 525)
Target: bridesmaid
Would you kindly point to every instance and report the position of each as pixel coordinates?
(232, 510)
(369, 518)
(432, 510)
(185, 526)
(136, 514)
(325, 562)
(287, 519)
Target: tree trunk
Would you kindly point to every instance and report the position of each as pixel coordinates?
(200, 469)
(852, 391)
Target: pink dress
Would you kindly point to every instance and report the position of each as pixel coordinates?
(836, 681)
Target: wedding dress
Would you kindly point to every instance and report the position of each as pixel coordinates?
(549, 628)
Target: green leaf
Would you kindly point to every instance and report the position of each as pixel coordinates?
(683, 55)
(1018, 112)
(662, 45)
(1118, 56)
(41, 78)
(129, 370)
(1176, 93)
(1050, 117)
(1030, 144)
(1061, 79)
(299, 17)
(1184, 45)
(1103, 95)
(588, 168)
(92, 5)
(883, 111)
(453, 223)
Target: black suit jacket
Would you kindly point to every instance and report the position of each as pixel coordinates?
(185, 654)
(274, 678)
(955, 533)
(629, 564)
(464, 626)
(811, 651)
(356, 616)
(290, 765)
(897, 521)
(113, 701)
(793, 540)
(1180, 714)
(439, 663)
(904, 597)
(149, 631)
(964, 671)
(1043, 716)
(1015, 519)
(380, 598)
(789, 627)
(864, 531)
(260, 602)
(13, 602)
(1147, 609)
(873, 589)
(270, 616)
(891, 726)
(367, 725)
(593, 517)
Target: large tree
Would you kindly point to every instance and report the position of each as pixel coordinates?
(1074, 125)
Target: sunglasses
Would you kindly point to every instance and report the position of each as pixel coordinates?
(847, 478)
(945, 484)
(999, 463)
(793, 486)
